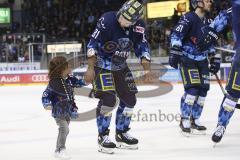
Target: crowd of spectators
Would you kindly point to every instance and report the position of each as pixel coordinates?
(74, 20)
(65, 19)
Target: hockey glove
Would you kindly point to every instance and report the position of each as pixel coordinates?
(215, 64)
(175, 57)
(208, 39)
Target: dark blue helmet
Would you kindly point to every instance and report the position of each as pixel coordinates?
(132, 10)
(194, 3)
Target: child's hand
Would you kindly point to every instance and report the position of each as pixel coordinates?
(74, 114)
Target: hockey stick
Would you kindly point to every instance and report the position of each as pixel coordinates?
(225, 50)
(220, 84)
(223, 90)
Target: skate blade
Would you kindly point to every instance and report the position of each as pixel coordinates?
(106, 150)
(121, 145)
(197, 132)
(185, 134)
(62, 158)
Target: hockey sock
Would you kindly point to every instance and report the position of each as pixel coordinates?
(104, 115)
(187, 103)
(123, 117)
(226, 111)
(198, 107)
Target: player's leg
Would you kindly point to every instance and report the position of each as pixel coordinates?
(126, 90)
(233, 86)
(199, 103)
(123, 119)
(191, 80)
(229, 102)
(63, 131)
(236, 22)
(104, 90)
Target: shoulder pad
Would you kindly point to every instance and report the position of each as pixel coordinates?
(186, 18)
(106, 20)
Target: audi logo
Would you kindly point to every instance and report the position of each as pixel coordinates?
(40, 78)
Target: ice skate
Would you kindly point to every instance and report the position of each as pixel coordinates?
(197, 128)
(185, 127)
(105, 144)
(218, 134)
(126, 141)
(62, 155)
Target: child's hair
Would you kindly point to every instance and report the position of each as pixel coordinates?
(56, 67)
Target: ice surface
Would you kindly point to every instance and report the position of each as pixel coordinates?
(28, 132)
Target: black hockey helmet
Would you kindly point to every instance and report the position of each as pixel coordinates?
(194, 3)
(131, 10)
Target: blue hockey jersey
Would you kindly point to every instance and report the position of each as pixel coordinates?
(59, 95)
(235, 2)
(113, 43)
(189, 31)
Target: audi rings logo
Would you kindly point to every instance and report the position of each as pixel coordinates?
(40, 78)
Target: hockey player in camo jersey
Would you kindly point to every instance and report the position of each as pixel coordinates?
(193, 62)
(116, 34)
(233, 85)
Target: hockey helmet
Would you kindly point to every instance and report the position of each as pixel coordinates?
(194, 3)
(131, 10)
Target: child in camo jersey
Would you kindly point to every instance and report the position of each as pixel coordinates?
(59, 97)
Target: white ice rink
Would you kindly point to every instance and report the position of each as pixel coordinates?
(28, 132)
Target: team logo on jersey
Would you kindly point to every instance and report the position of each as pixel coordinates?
(121, 47)
(110, 47)
(124, 44)
(139, 29)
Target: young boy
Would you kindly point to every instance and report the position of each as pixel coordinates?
(59, 97)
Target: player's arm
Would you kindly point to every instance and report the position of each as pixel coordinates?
(211, 32)
(178, 34)
(75, 81)
(222, 20)
(180, 31)
(142, 51)
(99, 36)
(101, 33)
(141, 47)
(46, 99)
